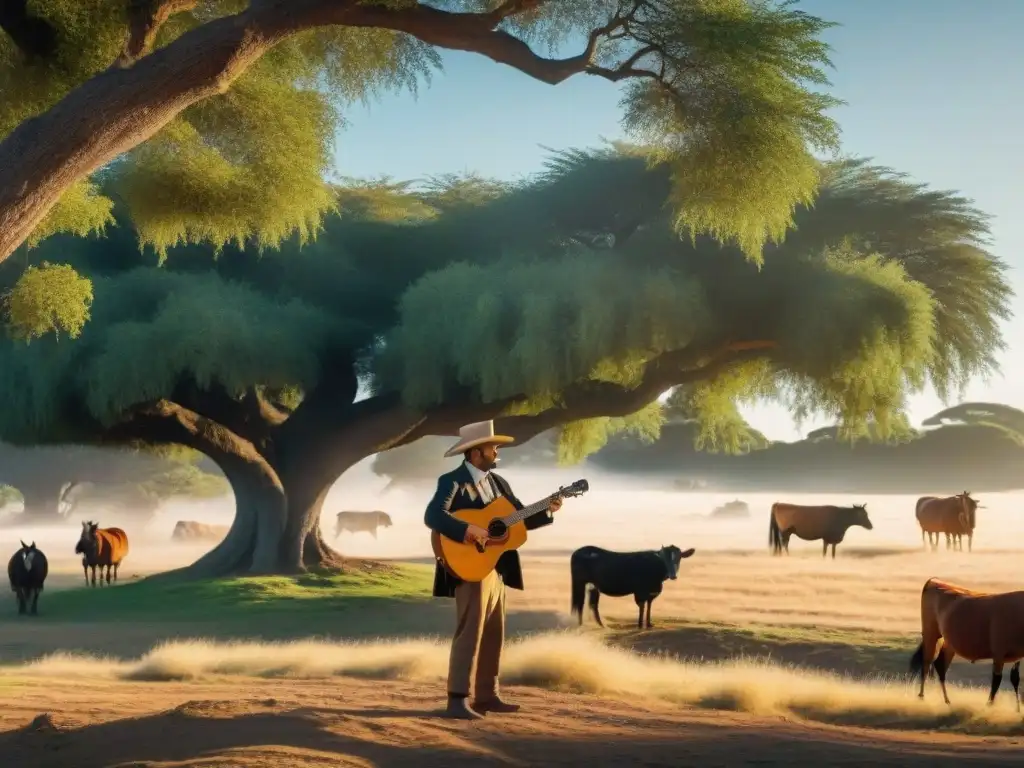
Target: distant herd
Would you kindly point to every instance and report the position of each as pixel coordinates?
(955, 620)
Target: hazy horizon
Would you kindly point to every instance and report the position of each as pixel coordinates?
(619, 512)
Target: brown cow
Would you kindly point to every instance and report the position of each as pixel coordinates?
(190, 530)
(353, 522)
(973, 625)
(827, 523)
(103, 547)
(953, 516)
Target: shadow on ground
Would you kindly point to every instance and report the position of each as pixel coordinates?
(196, 734)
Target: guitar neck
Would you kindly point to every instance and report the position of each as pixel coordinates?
(531, 510)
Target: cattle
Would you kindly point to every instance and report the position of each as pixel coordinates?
(954, 516)
(354, 522)
(827, 523)
(617, 574)
(103, 548)
(27, 570)
(190, 530)
(973, 625)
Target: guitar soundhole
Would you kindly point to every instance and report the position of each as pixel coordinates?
(496, 529)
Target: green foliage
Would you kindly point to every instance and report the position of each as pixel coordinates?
(898, 431)
(82, 210)
(940, 239)
(49, 298)
(712, 407)
(187, 481)
(736, 123)
(579, 439)
(246, 338)
(245, 165)
(382, 200)
(9, 495)
(724, 96)
(576, 275)
(208, 329)
(503, 329)
(854, 302)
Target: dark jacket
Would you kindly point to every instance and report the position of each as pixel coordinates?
(451, 495)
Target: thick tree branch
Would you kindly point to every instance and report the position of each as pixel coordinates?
(145, 18)
(166, 422)
(590, 400)
(124, 106)
(243, 416)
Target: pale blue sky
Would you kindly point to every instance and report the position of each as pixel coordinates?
(933, 88)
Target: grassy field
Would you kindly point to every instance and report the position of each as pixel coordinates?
(256, 598)
(393, 601)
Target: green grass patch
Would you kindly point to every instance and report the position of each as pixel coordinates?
(252, 597)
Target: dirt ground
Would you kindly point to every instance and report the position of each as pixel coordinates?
(293, 724)
(286, 723)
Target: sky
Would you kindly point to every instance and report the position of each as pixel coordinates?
(933, 88)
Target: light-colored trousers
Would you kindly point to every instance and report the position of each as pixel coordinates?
(479, 637)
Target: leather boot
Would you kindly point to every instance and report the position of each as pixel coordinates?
(496, 705)
(459, 709)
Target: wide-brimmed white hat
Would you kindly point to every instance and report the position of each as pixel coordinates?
(478, 433)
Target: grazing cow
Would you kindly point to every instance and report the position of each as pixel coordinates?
(27, 571)
(973, 625)
(953, 516)
(827, 523)
(617, 574)
(103, 547)
(353, 522)
(190, 530)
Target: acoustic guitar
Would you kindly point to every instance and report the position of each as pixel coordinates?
(505, 531)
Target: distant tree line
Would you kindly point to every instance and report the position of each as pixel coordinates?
(51, 483)
(974, 446)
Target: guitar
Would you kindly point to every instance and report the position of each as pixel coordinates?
(505, 528)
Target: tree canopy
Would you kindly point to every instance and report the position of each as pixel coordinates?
(215, 122)
(567, 302)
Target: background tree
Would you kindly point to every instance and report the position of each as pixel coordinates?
(567, 303)
(8, 495)
(996, 415)
(51, 482)
(216, 120)
(981, 456)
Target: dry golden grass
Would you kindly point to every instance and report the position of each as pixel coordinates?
(587, 691)
(565, 662)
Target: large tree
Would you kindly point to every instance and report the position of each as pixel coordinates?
(566, 303)
(216, 120)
